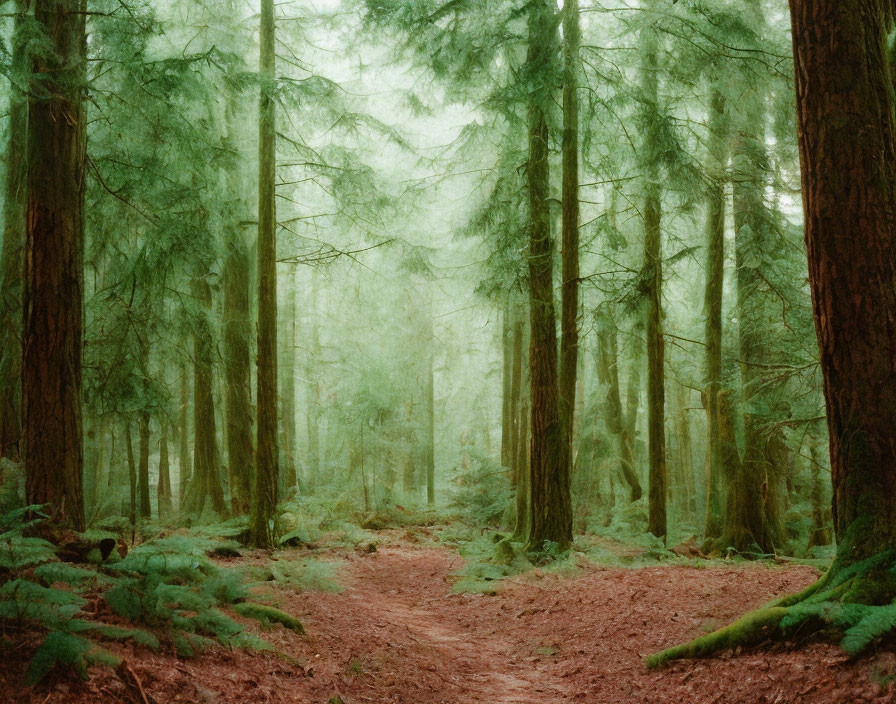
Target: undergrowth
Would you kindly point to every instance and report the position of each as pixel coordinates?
(167, 592)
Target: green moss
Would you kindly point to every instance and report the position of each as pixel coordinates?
(750, 629)
(268, 614)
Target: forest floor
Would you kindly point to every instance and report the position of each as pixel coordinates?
(399, 632)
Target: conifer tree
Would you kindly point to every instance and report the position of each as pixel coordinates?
(267, 476)
(53, 282)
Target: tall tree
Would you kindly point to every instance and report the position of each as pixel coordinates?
(652, 280)
(551, 518)
(569, 307)
(54, 246)
(753, 231)
(712, 309)
(14, 203)
(844, 79)
(267, 475)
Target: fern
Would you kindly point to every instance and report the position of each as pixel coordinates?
(74, 651)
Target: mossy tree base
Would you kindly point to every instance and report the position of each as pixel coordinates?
(855, 602)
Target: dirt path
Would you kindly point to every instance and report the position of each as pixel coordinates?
(397, 634)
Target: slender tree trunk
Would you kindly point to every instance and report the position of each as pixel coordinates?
(267, 471)
(312, 387)
(429, 440)
(551, 518)
(523, 490)
(54, 267)
(821, 513)
(185, 457)
(506, 383)
(516, 380)
(207, 472)
(569, 308)
(143, 467)
(632, 404)
(164, 486)
(653, 287)
(237, 371)
(753, 253)
(132, 474)
(288, 385)
(14, 204)
(712, 309)
(609, 372)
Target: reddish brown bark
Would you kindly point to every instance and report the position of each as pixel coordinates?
(847, 137)
(551, 518)
(53, 283)
(14, 204)
(569, 306)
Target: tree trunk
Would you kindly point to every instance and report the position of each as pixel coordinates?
(551, 518)
(237, 370)
(754, 253)
(132, 474)
(206, 480)
(848, 157)
(288, 385)
(569, 308)
(185, 457)
(164, 486)
(267, 474)
(429, 438)
(652, 281)
(54, 251)
(821, 513)
(14, 204)
(143, 467)
(312, 388)
(516, 383)
(609, 364)
(506, 384)
(712, 309)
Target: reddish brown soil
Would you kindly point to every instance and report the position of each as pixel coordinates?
(398, 634)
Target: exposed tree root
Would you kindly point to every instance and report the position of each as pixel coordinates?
(856, 602)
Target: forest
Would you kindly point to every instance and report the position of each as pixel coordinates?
(448, 351)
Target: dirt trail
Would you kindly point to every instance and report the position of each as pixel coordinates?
(405, 592)
(397, 634)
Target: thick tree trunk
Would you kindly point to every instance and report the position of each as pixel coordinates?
(14, 204)
(267, 471)
(54, 251)
(653, 288)
(712, 309)
(551, 518)
(847, 132)
(569, 307)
